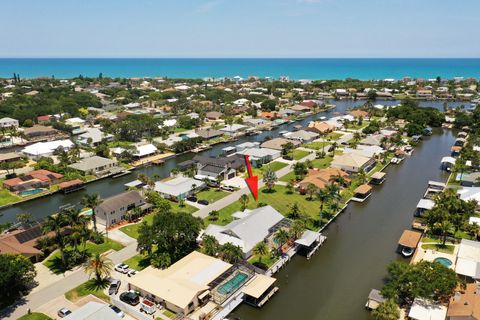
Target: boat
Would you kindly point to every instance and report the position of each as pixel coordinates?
(407, 252)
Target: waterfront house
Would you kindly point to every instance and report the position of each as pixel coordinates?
(226, 167)
(96, 165)
(10, 157)
(214, 115)
(423, 309)
(278, 143)
(321, 178)
(93, 136)
(209, 133)
(302, 135)
(144, 150)
(465, 303)
(178, 188)
(39, 132)
(37, 179)
(357, 113)
(8, 123)
(260, 156)
(23, 242)
(469, 193)
(468, 259)
(249, 228)
(115, 209)
(234, 129)
(362, 193)
(353, 163)
(364, 150)
(321, 127)
(46, 149)
(300, 108)
(372, 140)
(469, 179)
(256, 122)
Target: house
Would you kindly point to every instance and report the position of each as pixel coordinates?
(183, 286)
(209, 133)
(225, 167)
(260, 156)
(46, 149)
(256, 122)
(321, 178)
(144, 150)
(250, 228)
(468, 259)
(366, 151)
(43, 119)
(357, 113)
(10, 157)
(469, 179)
(92, 311)
(96, 165)
(214, 115)
(372, 140)
(302, 135)
(39, 131)
(22, 242)
(93, 136)
(422, 309)
(469, 193)
(465, 303)
(115, 209)
(33, 180)
(321, 127)
(278, 143)
(300, 108)
(233, 129)
(353, 163)
(8, 123)
(178, 188)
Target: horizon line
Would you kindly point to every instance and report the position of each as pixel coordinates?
(225, 58)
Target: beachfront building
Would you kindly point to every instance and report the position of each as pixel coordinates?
(249, 228)
(96, 165)
(178, 188)
(46, 149)
(115, 209)
(353, 163)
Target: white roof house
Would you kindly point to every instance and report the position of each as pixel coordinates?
(75, 121)
(263, 155)
(93, 311)
(178, 188)
(46, 149)
(469, 193)
(233, 128)
(168, 123)
(426, 310)
(252, 227)
(8, 122)
(301, 135)
(96, 135)
(367, 151)
(145, 150)
(468, 259)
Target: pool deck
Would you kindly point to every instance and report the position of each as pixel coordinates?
(431, 255)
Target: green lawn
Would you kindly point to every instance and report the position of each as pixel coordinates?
(132, 229)
(35, 316)
(299, 154)
(439, 247)
(317, 163)
(6, 197)
(169, 314)
(85, 289)
(91, 247)
(138, 262)
(211, 194)
(334, 136)
(356, 126)
(266, 260)
(275, 166)
(288, 177)
(318, 145)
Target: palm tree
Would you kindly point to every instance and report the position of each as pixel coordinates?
(260, 250)
(338, 179)
(297, 228)
(290, 186)
(387, 310)
(231, 253)
(294, 211)
(92, 201)
(244, 201)
(77, 222)
(362, 176)
(55, 223)
(323, 196)
(334, 191)
(210, 245)
(98, 265)
(281, 237)
(311, 190)
(270, 178)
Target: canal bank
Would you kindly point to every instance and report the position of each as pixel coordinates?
(335, 283)
(42, 207)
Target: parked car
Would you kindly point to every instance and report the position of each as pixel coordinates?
(131, 272)
(63, 312)
(117, 311)
(130, 297)
(147, 306)
(228, 188)
(114, 286)
(121, 267)
(204, 202)
(192, 199)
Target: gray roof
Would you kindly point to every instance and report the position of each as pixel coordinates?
(177, 186)
(93, 311)
(92, 163)
(96, 134)
(375, 295)
(120, 200)
(209, 133)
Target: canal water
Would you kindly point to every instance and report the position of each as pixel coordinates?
(43, 207)
(334, 283)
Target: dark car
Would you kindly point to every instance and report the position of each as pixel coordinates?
(192, 199)
(288, 157)
(114, 286)
(204, 202)
(130, 297)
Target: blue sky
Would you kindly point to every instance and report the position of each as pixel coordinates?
(239, 28)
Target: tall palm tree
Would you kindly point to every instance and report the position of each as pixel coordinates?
(281, 237)
(311, 190)
(323, 196)
(231, 253)
(270, 178)
(260, 250)
(99, 265)
(77, 222)
(338, 179)
(210, 245)
(244, 201)
(55, 223)
(92, 201)
(297, 228)
(362, 176)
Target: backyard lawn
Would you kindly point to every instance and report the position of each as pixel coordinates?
(439, 247)
(6, 197)
(211, 194)
(35, 316)
(299, 154)
(275, 166)
(53, 261)
(262, 261)
(86, 288)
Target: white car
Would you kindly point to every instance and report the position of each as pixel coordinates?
(117, 311)
(122, 268)
(131, 272)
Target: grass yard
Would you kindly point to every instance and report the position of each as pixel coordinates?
(356, 126)
(6, 197)
(138, 262)
(92, 248)
(86, 288)
(334, 136)
(35, 316)
(275, 166)
(211, 194)
(169, 314)
(438, 247)
(264, 262)
(318, 145)
(186, 208)
(299, 154)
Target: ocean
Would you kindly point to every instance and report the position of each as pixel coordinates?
(295, 69)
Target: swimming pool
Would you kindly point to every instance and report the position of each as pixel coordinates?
(444, 261)
(30, 192)
(233, 284)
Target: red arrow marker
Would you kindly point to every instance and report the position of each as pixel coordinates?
(252, 181)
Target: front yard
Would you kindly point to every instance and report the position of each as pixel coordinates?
(211, 194)
(6, 197)
(298, 154)
(274, 166)
(86, 288)
(35, 316)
